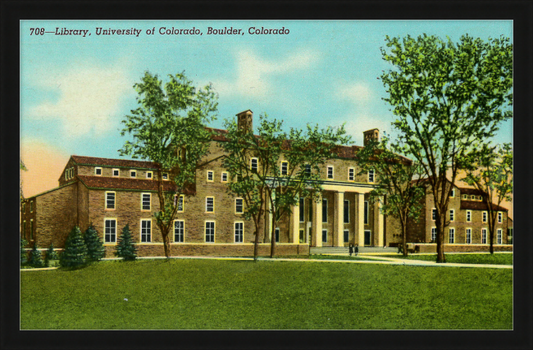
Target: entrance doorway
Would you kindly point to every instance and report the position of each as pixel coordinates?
(368, 235)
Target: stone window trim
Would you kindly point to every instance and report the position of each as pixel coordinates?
(210, 176)
(325, 210)
(277, 234)
(210, 227)
(254, 164)
(371, 176)
(452, 193)
(116, 172)
(110, 237)
(32, 227)
(465, 196)
(210, 204)
(351, 174)
(434, 214)
(484, 216)
(145, 230)
(301, 205)
(146, 205)
(98, 171)
(484, 236)
(500, 217)
(182, 228)
(164, 176)
(499, 236)
(150, 175)
(110, 200)
(366, 213)
(324, 235)
(330, 172)
(346, 234)
(238, 231)
(468, 216)
(468, 235)
(180, 203)
(224, 176)
(31, 206)
(434, 234)
(239, 206)
(24, 208)
(346, 211)
(284, 168)
(452, 215)
(451, 235)
(133, 173)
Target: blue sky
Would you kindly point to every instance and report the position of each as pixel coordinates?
(75, 90)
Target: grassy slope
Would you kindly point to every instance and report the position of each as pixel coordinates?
(210, 294)
(498, 258)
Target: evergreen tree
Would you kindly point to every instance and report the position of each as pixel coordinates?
(75, 253)
(51, 254)
(125, 247)
(95, 247)
(35, 257)
(23, 254)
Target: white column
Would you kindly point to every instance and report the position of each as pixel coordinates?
(295, 222)
(360, 230)
(317, 222)
(380, 224)
(339, 219)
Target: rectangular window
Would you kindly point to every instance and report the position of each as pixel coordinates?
(179, 231)
(499, 236)
(149, 175)
(24, 208)
(239, 232)
(371, 175)
(284, 168)
(346, 236)
(472, 197)
(451, 235)
(351, 174)
(110, 231)
(254, 164)
(433, 234)
(164, 176)
(483, 236)
(110, 200)
(310, 207)
(366, 213)
(31, 230)
(452, 214)
(324, 236)
(224, 177)
(452, 193)
(145, 201)
(468, 235)
(302, 236)
(500, 217)
(307, 170)
(465, 196)
(210, 176)
(179, 203)
(133, 173)
(276, 233)
(98, 171)
(330, 172)
(302, 212)
(484, 216)
(116, 172)
(31, 207)
(239, 206)
(433, 214)
(210, 231)
(324, 210)
(468, 216)
(146, 230)
(209, 204)
(346, 211)
(24, 229)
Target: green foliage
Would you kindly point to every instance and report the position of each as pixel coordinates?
(125, 248)
(168, 128)
(51, 254)
(36, 259)
(75, 252)
(95, 247)
(23, 253)
(448, 99)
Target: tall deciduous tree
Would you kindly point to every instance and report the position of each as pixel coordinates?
(491, 171)
(399, 190)
(448, 98)
(168, 128)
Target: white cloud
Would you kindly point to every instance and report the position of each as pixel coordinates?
(358, 93)
(359, 122)
(89, 98)
(254, 73)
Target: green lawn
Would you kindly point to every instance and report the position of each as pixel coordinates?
(497, 258)
(216, 294)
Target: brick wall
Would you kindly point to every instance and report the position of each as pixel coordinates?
(432, 248)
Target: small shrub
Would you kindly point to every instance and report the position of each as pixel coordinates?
(75, 252)
(51, 254)
(125, 247)
(36, 259)
(95, 247)
(23, 253)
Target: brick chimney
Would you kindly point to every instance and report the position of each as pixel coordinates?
(245, 120)
(372, 134)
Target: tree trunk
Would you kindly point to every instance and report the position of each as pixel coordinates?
(404, 237)
(441, 258)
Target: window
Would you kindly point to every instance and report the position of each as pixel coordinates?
(468, 235)
(133, 173)
(472, 197)
(116, 172)
(210, 231)
(330, 172)
(224, 177)
(366, 213)
(239, 206)
(149, 175)
(210, 176)
(452, 214)
(24, 229)
(351, 174)
(484, 216)
(98, 171)
(451, 235)
(346, 211)
(31, 207)
(433, 214)
(346, 236)
(164, 176)
(239, 230)
(371, 175)
(146, 230)
(324, 210)
(310, 207)
(483, 236)
(179, 203)
(24, 207)
(179, 231)
(254, 164)
(302, 212)
(284, 168)
(433, 234)
(499, 236)
(31, 230)
(209, 204)
(307, 170)
(468, 216)
(452, 193)
(145, 201)
(465, 196)
(500, 217)
(324, 235)
(110, 231)
(302, 236)
(276, 233)
(110, 200)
